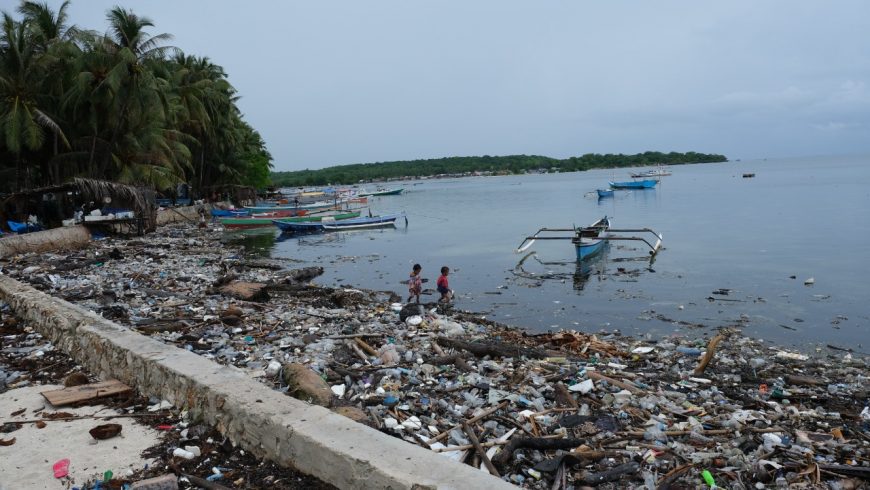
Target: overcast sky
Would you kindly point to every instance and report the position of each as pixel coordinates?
(337, 82)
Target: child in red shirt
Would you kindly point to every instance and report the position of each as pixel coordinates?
(443, 286)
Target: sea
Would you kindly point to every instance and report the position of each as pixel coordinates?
(782, 256)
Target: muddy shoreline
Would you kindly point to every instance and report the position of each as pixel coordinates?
(569, 408)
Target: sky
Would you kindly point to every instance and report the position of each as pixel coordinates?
(340, 82)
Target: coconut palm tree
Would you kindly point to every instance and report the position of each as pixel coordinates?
(22, 119)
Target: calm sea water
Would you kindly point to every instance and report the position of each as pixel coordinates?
(756, 239)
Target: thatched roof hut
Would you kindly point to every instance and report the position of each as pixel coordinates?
(55, 203)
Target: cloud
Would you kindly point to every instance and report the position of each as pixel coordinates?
(833, 126)
(787, 97)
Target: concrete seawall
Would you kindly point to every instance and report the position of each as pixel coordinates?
(261, 420)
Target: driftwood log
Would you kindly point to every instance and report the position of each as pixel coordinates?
(612, 474)
(711, 350)
(504, 456)
(457, 360)
(495, 349)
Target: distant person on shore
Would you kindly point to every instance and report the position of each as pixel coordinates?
(415, 283)
(444, 286)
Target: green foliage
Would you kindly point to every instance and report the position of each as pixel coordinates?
(119, 106)
(512, 164)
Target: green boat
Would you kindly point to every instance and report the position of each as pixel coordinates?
(238, 223)
(385, 192)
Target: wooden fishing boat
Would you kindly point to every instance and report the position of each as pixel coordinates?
(659, 171)
(382, 192)
(264, 221)
(589, 240)
(320, 205)
(604, 192)
(635, 184)
(225, 213)
(334, 224)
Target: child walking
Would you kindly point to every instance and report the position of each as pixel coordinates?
(444, 286)
(415, 283)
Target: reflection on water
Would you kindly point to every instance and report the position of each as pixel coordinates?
(593, 266)
(258, 242)
(315, 238)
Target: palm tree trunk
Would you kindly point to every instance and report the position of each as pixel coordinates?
(91, 161)
(54, 167)
(201, 167)
(19, 173)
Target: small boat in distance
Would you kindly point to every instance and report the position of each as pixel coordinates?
(589, 240)
(636, 184)
(659, 171)
(382, 192)
(604, 192)
(332, 224)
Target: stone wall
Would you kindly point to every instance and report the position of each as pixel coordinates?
(267, 423)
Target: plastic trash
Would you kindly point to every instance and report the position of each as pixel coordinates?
(689, 351)
(181, 453)
(708, 478)
(583, 387)
(61, 468)
(338, 390)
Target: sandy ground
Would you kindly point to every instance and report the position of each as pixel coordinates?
(27, 464)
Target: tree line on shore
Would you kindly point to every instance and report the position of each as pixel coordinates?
(118, 105)
(511, 164)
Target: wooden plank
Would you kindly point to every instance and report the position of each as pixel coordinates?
(93, 391)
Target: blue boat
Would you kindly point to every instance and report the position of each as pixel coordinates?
(226, 213)
(604, 192)
(331, 224)
(635, 184)
(338, 204)
(589, 240)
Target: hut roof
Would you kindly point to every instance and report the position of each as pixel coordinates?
(93, 190)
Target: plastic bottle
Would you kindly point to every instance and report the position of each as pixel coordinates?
(654, 434)
(708, 478)
(689, 351)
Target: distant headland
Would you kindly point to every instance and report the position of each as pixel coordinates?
(481, 165)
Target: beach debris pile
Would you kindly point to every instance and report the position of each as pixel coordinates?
(555, 410)
(188, 454)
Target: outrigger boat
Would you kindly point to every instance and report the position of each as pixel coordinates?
(589, 240)
(316, 206)
(333, 224)
(604, 192)
(259, 222)
(382, 192)
(636, 184)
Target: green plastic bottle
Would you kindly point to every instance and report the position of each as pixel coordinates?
(708, 478)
